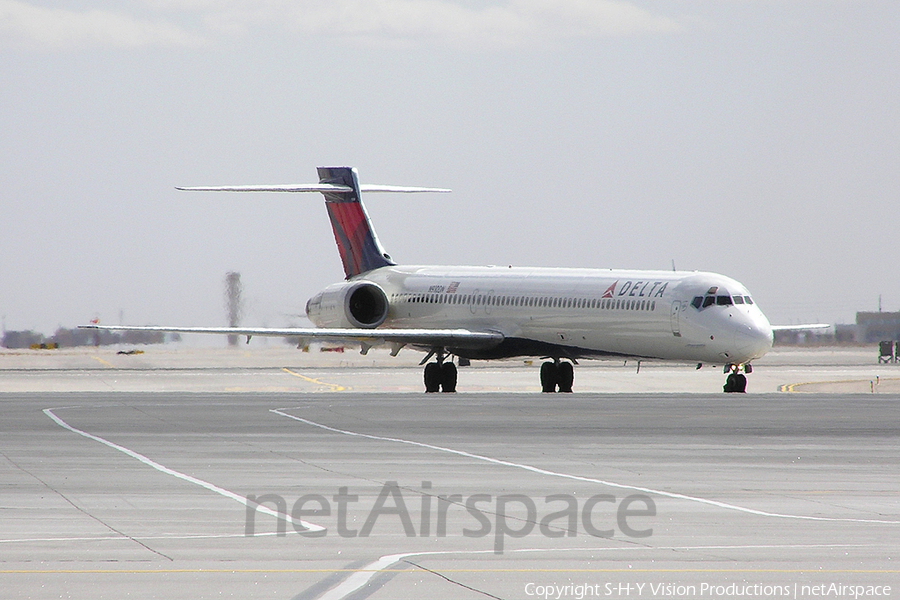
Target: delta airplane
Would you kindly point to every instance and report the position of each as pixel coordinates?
(560, 315)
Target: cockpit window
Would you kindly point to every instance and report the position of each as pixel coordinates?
(712, 299)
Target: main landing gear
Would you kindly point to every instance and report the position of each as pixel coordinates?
(736, 381)
(557, 376)
(440, 376)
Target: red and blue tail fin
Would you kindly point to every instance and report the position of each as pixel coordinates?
(356, 240)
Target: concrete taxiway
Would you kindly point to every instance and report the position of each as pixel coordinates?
(138, 485)
(280, 368)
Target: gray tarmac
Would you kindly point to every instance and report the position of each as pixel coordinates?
(129, 476)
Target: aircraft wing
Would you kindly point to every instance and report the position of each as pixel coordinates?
(448, 338)
(807, 327)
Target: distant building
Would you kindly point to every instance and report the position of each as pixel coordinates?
(811, 337)
(20, 339)
(874, 327)
(69, 338)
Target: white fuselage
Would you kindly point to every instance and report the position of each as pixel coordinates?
(669, 315)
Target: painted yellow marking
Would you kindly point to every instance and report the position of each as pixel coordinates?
(101, 361)
(792, 387)
(334, 387)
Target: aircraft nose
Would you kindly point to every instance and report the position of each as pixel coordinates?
(753, 339)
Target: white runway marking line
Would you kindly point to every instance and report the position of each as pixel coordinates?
(184, 477)
(623, 486)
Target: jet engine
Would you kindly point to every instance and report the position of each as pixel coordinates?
(358, 304)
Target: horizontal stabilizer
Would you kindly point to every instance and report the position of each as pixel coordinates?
(400, 189)
(313, 187)
(303, 187)
(357, 243)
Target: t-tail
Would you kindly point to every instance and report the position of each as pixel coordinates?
(357, 243)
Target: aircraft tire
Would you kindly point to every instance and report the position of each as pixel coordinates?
(565, 377)
(432, 378)
(735, 383)
(448, 377)
(549, 374)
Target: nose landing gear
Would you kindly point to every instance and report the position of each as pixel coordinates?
(736, 381)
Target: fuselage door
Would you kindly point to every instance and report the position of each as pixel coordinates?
(677, 307)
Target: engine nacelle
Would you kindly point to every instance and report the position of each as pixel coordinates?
(359, 304)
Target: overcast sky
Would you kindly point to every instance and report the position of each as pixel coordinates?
(755, 138)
